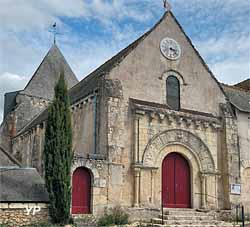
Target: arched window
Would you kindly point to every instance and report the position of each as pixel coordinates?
(173, 92)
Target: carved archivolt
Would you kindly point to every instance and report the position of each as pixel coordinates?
(95, 169)
(177, 136)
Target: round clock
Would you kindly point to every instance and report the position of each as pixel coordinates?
(170, 48)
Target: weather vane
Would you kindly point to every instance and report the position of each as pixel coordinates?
(167, 5)
(54, 31)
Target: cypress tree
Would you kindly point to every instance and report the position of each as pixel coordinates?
(58, 154)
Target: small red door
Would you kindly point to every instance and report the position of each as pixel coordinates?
(176, 182)
(81, 191)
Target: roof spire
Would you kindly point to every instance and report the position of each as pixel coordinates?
(167, 5)
(53, 30)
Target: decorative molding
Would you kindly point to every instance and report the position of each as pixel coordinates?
(172, 72)
(178, 136)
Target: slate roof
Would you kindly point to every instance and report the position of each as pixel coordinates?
(9, 102)
(21, 185)
(238, 97)
(245, 85)
(46, 76)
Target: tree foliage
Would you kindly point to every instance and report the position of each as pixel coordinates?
(58, 154)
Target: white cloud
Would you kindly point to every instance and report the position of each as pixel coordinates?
(26, 15)
(228, 57)
(225, 47)
(232, 71)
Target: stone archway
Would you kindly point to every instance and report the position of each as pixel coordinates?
(185, 138)
(194, 150)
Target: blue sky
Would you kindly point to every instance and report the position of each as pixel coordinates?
(92, 31)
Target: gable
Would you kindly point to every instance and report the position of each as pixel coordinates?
(46, 76)
(147, 67)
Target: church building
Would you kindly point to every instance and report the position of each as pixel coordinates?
(152, 127)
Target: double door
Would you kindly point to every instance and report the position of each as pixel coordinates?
(176, 182)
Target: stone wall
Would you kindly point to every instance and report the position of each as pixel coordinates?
(16, 215)
(232, 155)
(27, 108)
(27, 147)
(243, 120)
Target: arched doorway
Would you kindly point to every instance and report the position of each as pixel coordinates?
(176, 182)
(81, 191)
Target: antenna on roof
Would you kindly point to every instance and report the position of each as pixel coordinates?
(54, 31)
(167, 5)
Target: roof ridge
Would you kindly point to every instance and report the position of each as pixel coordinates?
(235, 87)
(53, 49)
(119, 56)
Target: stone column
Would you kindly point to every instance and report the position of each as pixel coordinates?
(153, 173)
(203, 191)
(137, 117)
(136, 187)
(136, 139)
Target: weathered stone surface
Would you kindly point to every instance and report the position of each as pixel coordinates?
(19, 217)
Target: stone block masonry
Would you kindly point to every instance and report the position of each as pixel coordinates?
(17, 215)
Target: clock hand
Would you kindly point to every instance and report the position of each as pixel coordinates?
(174, 50)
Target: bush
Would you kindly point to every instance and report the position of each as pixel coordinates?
(116, 216)
(4, 225)
(42, 224)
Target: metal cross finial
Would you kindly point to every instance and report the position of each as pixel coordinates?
(53, 30)
(167, 5)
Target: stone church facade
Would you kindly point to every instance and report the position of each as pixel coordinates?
(152, 126)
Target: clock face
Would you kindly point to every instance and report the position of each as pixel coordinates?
(170, 48)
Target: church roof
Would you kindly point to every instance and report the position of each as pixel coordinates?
(238, 97)
(21, 185)
(245, 85)
(46, 76)
(90, 82)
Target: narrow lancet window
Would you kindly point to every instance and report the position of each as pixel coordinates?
(173, 92)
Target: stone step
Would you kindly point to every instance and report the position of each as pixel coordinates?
(185, 222)
(187, 212)
(159, 225)
(186, 217)
(196, 225)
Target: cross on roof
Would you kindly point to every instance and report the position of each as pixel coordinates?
(53, 30)
(167, 5)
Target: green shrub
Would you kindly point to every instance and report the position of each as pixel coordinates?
(41, 224)
(4, 225)
(116, 216)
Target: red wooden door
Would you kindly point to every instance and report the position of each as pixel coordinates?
(81, 191)
(175, 182)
